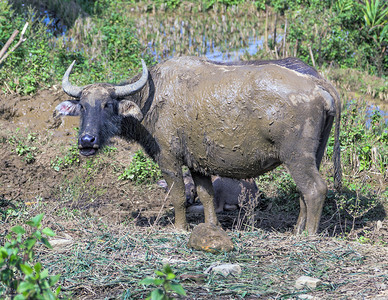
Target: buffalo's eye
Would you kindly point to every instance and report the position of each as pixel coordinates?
(108, 105)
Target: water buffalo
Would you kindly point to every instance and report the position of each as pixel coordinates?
(233, 120)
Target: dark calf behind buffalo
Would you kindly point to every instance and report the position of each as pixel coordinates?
(229, 193)
(232, 120)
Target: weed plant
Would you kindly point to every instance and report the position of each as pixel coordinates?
(21, 277)
(24, 146)
(70, 159)
(142, 170)
(165, 283)
(246, 216)
(363, 138)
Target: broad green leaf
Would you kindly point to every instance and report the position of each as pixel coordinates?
(30, 223)
(157, 294)
(177, 288)
(25, 287)
(147, 281)
(46, 242)
(48, 295)
(44, 274)
(26, 269)
(54, 279)
(19, 297)
(3, 252)
(38, 267)
(48, 232)
(57, 291)
(30, 242)
(158, 281)
(38, 234)
(18, 239)
(18, 229)
(159, 273)
(170, 276)
(37, 219)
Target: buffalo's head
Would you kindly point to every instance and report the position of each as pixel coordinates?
(101, 107)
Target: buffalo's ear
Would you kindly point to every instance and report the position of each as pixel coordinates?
(128, 108)
(69, 108)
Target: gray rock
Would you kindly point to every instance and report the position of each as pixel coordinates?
(306, 281)
(224, 269)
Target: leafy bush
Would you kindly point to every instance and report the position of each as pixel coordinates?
(165, 284)
(142, 170)
(341, 32)
(363, 138)
(359, 199)
(108, 47)
(20, 276)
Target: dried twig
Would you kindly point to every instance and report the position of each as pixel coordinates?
(8, 43)
(3, 53)
(266, 30)
(161, 209)
(312, 56)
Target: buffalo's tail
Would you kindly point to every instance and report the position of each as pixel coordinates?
(337, 145)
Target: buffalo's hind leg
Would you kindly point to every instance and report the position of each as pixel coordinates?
(206, 194)
(313, 193)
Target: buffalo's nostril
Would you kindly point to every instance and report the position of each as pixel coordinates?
(88, 141)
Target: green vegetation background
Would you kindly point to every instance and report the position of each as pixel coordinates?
(347, 33)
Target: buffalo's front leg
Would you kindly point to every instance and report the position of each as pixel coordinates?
(206, 194)
(177, 196)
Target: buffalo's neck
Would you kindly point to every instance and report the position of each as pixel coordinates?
(133, 130)
(143, 132)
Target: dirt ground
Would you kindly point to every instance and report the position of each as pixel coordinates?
(87, 204)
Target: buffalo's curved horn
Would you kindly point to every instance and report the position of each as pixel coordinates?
(68, 88)
(128, 89)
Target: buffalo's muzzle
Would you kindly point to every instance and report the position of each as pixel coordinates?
(88, 144)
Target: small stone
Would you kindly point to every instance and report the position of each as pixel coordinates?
(310, 282)
(210, 238)
(305, 296)
(224, 269)
(163, 184)
(60, 243)
(379, 225)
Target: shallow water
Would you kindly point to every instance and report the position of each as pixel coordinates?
(217, 36)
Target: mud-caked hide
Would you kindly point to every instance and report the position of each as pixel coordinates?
(235, 120)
